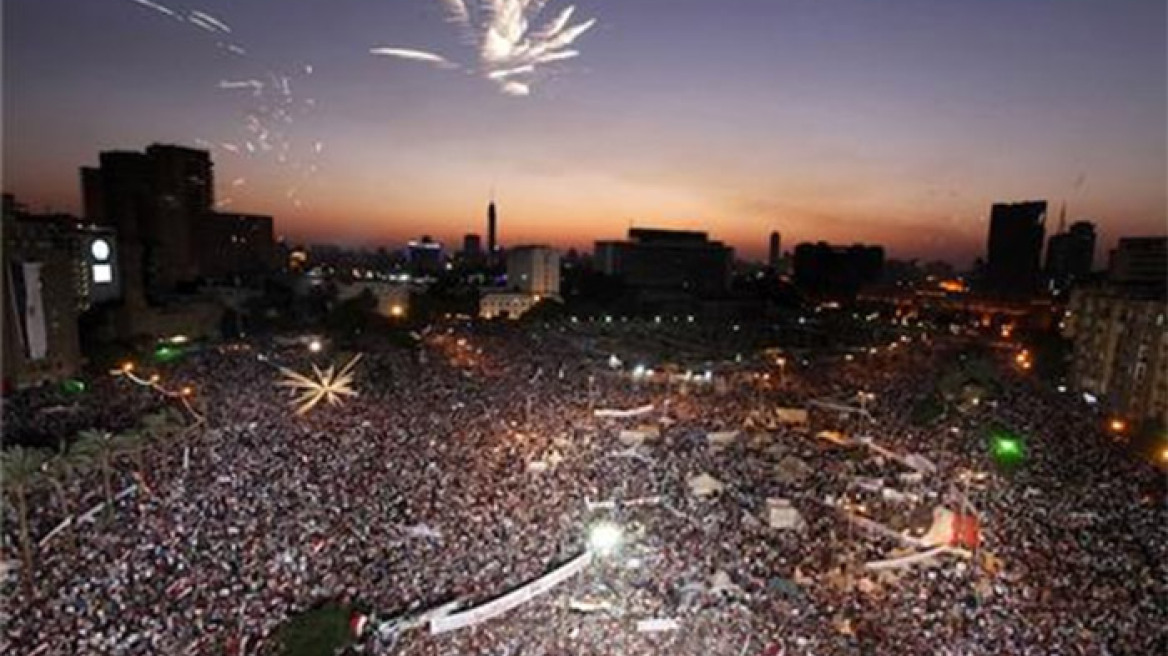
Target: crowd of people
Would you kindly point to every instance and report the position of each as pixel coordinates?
(475, 463)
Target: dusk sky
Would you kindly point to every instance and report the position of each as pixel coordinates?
(884, 121)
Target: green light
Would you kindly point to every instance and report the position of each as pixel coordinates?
(1006, 448)
(167, 353)
(73, 386)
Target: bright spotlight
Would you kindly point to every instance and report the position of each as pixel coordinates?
(604, 537)
(315, 346)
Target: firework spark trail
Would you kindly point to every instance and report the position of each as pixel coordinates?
(267, 123)
(158, 8)
(413, 55)
(257, 87)
(505, 44)
(211, 20)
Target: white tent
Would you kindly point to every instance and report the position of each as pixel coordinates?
(721, 438)
(792, 416)
(704, 485)
(782, 515)
(634, 438)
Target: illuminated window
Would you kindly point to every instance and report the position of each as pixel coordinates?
(103, 273)
(100, 250)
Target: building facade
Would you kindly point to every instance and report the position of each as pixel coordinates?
(506, 305)
(1140, 263)
(825, 270)
(155, 200)
(424, 255)
(1070, 255)
(534, 270)
(41, 301)
(668, 261)
(1120, 349)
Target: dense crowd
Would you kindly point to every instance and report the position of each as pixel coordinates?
(474, 464)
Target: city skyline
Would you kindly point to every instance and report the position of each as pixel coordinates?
(900, 125)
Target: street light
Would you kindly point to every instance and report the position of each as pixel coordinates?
(315, 346)
(605, 537)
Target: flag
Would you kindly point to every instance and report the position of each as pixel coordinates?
(357, 623)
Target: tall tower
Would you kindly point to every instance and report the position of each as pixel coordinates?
(492, 219)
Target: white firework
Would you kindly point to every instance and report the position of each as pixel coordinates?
(509, 51)
(329, 385)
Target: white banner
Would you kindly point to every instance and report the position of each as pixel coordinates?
(513, 599)
(621, 414)
(906, 561)
(657, 625)
(37, 341)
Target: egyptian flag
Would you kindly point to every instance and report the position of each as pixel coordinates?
(966, 531)
(357, 623)
(953, 529)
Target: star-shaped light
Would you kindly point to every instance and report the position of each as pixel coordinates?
(329, 385)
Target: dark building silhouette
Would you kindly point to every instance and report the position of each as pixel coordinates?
(472, 246)
(824, 270)
(492, 225)
(775, 256)
(1140, 265)
(668, 261)
(1014, 250)
(424, 255)
(1070, 254)
(236, 247)
(155, 200)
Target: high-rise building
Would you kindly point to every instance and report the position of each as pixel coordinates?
(670, 261)
(155, 200)
(822, 269)
(182, 188)
(534, 270)
(1070, 254)
(492, 236)
(1140, 264)
(1120, 348)
(775, 255)
(1014, 250)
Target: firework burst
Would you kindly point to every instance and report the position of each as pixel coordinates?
(330, 385)
(509, 51)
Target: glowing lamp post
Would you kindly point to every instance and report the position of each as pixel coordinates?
(605, 538)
